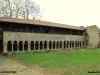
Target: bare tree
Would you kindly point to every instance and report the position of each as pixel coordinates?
(19, 9)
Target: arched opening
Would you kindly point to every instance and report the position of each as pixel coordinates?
(36, 45)
(86, 43)
(80, 44)
(83, 44)
(41, 45)
(9, 46)
(45, 44)
(76, 44)
(50, 45)
(72, 44)
(67, 44)
(53, 44)
(57, 45)
(32, 45)
(15, 46)
(20, 46)
(26, 45)
(60, 44)
(64, 44)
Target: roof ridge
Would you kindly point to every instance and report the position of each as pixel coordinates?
(37, 22)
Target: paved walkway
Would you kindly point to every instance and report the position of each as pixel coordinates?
(7, 64)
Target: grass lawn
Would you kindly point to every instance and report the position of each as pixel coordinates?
(85, 59)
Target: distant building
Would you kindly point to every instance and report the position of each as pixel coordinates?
(20, 35)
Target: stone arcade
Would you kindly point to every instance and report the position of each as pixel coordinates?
(20, 35)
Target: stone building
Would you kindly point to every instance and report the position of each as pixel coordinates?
(20, 35)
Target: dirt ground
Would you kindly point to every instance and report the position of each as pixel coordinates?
(7, 64)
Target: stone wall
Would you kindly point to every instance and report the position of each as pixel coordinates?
(93, 36)
(25, 36)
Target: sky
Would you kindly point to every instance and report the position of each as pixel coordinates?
(71, 12)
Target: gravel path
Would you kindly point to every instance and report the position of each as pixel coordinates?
(9, 65)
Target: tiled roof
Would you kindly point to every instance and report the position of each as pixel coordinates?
(36, 22)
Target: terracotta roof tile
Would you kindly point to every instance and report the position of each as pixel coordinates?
(36, 22)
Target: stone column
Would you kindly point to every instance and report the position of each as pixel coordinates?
(83, 44)
(5, 47)
(73, 44)
(23, 46)
(59, 45)
(69, 45)
(79, 45)
(43, 46)
(12, 46)
(17, 46)
(65, 45)
(52, 45)
(34, 46)
(29, 48)
(55, 45)
(62, 45)
(47, 45)
(39, 45)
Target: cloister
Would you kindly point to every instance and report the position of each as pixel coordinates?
(20, 35)
(42, 45)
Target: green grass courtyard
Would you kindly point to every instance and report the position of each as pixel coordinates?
(85, 59)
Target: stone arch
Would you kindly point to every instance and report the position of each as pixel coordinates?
(50, 44)
(20, 46)
(67, 44)
(9, 46)
(26, 45)
(41, 45)
(15, 46)
(45, 44)
(86, 43)
(32, 45)
(72, 44)
(64, 44)
(57, 45)
(80, 44)
(60, 44)
(83, 44)
(76, 44)
(36, 45)
(54, 44)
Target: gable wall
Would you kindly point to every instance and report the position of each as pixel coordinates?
(93, 36)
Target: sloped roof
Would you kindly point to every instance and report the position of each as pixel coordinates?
(36, 22)
(93, 26)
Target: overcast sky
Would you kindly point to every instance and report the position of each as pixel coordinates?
(72, 12)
